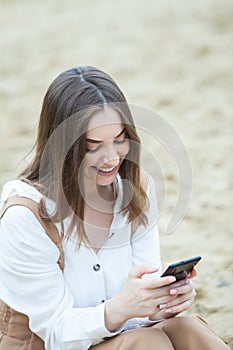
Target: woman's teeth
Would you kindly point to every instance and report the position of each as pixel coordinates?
(106, 170)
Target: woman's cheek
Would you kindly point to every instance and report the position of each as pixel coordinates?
(125, 150)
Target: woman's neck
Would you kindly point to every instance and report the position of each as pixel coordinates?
(101, 198)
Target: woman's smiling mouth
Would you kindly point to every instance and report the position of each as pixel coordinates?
(106, 171)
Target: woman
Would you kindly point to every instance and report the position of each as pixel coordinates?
(86, 178)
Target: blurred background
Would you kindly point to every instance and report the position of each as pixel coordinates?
(171, 57)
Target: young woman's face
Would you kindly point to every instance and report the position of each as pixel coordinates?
(107, 145)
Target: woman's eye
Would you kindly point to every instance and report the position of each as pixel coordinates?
(92, 150)
(117, 142)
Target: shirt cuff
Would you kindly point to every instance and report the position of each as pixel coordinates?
(101, 333)
(146, 322)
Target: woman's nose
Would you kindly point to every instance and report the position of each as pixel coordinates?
(110, 156)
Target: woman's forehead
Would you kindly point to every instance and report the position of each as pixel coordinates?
(104, 124)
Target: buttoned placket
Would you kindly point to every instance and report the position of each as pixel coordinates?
(97, 266)
(98, 269)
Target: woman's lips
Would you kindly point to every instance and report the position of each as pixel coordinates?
(104, 171)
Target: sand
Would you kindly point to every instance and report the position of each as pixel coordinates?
(171, 57)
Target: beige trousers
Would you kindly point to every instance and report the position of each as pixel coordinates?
(179, 333)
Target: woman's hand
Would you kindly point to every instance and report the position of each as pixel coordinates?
(141, 297)
(185, 295)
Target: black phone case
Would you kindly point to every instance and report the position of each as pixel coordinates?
(182, 268)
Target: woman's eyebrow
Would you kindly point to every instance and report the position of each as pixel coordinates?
(99, 141)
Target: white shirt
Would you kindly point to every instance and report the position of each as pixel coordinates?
(67, 309)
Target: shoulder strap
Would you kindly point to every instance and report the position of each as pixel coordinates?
(47, 224)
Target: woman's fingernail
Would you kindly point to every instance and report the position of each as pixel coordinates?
(168, 310)
(173, 291)
(172, 279)
(154, 267)
(162, 306)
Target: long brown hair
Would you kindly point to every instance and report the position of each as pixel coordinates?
(72, 98)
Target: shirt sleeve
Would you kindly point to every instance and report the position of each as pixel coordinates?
(32, 283)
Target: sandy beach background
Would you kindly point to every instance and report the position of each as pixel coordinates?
(171, 57)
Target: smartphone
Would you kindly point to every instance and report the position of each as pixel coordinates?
(182, 268)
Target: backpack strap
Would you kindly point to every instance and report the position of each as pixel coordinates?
(47, 224)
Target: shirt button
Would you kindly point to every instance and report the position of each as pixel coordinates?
(96, 267)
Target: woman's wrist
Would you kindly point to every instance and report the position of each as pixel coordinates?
(114, 313)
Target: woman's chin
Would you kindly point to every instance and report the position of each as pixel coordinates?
(105, 181)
